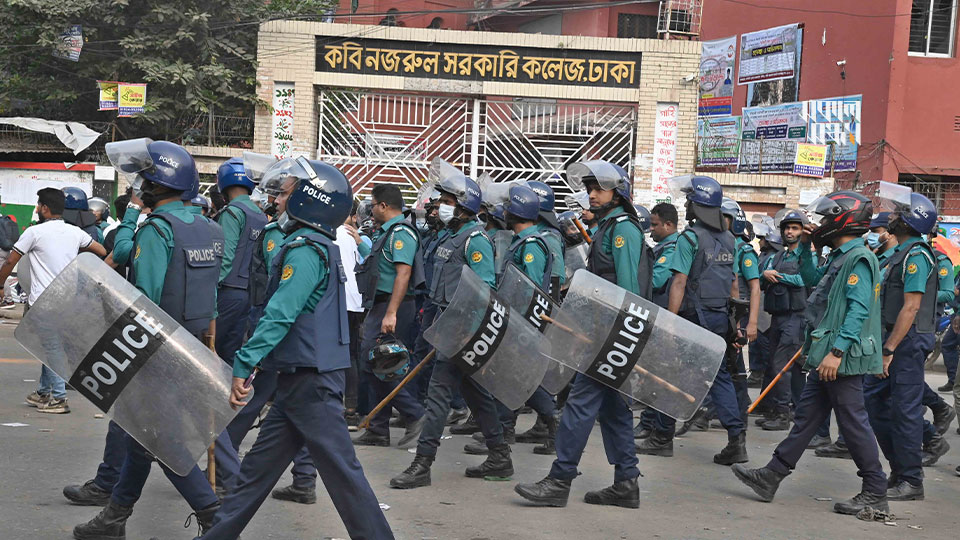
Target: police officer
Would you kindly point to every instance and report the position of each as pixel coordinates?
(388, 279)
(844, 309)
(746, 267)
(77, 212)
(310, 355)
(617, 254)
(879, 238)
(101, 211)
(181, 287)
(464, 244)
(549, 225)
(770, 243)
(785, 299)
(699, 292)
(908, 297)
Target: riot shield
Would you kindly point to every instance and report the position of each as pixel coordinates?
(501, 243)
(489, 341)
(524, 297)
(131, 360)
(634, 346)
(575, 258)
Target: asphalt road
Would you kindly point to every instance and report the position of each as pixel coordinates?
(683, 497)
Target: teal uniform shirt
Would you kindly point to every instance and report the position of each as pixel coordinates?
(303, 281)
(916, 268)
(153, 250)
(945, 279)
(530, 257)
(683, 254)
(859, 290)
(123, 240)
(195, 210)
(882, 257)
(794, 280)
(661, 267)
(624, 242)
(555, 244)
(233, 222)
(103, 226)
(272, 242)
(745, 261)
(479, 254)
(401, 247)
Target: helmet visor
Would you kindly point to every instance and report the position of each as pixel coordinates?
(894, 197)
(271, 180)
(605, 174)
(485, 181)
(680, 186)
(495, 194)
(130, 157)
(761, 229)
(255, 165)
(579, 201)
(822, 207)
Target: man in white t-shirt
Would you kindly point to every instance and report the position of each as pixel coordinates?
(51, 245)
(350, 256)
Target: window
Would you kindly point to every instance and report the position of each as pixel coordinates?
(933, 26)
(391, 18)
(632, 25)
(437, 22)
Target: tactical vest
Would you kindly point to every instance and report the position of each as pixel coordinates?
(743, 286)
(891, 291)
(259, 272)
(711, 272)
(941, 306)
(254, 222)
(368, 273)
(661, 297)
(450, 256)
(816, 306)
(780, 298)
(320, 338)
(544, 281)
(189, 288)
(602, 264)
(429, 250)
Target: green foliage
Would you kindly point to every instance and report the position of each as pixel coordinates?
(196, 56)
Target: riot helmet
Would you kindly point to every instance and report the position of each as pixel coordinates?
(100, 207)
(605, 176)
(703, 197)
(321, 199)
(911, 209)
(389, 358)
(74, 199)
(840, 213)
(522, 202)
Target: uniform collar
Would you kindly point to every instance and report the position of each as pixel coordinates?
(849, 244)
(467, 225)
(241, 198)
(613, 213)
(169, 207)
(391, 222)
(669, 238)
(529, 231)
(909, 242)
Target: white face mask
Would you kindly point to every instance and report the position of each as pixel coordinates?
(285, 223)
(445, 213)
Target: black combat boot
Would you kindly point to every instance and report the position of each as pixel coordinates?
(943, 415)
(698, 422)
(660, 443)
(547, 492)
(836, 450)
(640, 432)
(204, 518)
(295, 494)
(734, 452)
(537, 434)
(905, 491)
(763, 481)
(755, 380)
(110, 524)
(416, 475)
(476, 448)
(549, 446)
(780, 422)
(625, 493)
(369, 438)
(468, 426)
(877, 501)
(932, 452)
(89, 494)
(497, 465)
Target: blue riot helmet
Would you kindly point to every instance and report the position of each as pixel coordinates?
(188, 196)
(99, 206)
(786, 216)
(703, 197)
(913, 209)
(448, 179)
(74, 198)
(322, 198)
(606, 176)
(774, 239)
(643, 216)
(200, 201)
(233, 173)
(271, 181)
(523, 203)
(389, 358)
(732, 210)
(159, 162)
(544, 193)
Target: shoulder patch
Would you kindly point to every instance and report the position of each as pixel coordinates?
(618, 242)
(944, 272)
(912, 268)
(853, 279)
(748, 262)
(287, 272)
(270, 245)
(528, 258)
(398, 244)
(476, 257)
(662, 259)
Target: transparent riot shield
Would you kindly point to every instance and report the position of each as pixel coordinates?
(524, 297)
(501, 243)
(575, 258)
(634, 346)
(131, 360)
(489, 341)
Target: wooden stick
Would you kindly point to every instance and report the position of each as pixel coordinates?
(211, 458)
(583, 231)
(773, 382)
(366, 419)
(640, 370)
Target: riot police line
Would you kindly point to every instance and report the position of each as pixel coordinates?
(575, 315)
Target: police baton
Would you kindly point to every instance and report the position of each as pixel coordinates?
(640, 370)
(773, 382)
(211, 459)
(365, 423)
(583, 231)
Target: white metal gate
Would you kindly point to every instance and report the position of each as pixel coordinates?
(376, 137)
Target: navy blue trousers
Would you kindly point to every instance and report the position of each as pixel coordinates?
(845, 398)
(308, 411)
(589, 399)
(786, 337)
(896, 407)
(114, 452)
(951, 356)
(760, 353)
(405, 402)
(233, 316)
(541, 401)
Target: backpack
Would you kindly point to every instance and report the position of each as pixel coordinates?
(9, 233)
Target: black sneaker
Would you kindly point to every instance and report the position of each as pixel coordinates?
(625, 494)
(818, 441)
(89, 494)
(546, 492)
(860, 501)
(780, 422)
(295, 494)
(369, 438)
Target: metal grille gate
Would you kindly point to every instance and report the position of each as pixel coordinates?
(376, 137)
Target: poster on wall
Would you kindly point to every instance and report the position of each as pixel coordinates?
(764, 94)
(770, 137)
(132, 99)
(810, 160)
(716, 76)
(718, 141)
(664, 150)
(108, 95)
(835, 122)
(281, 142)
(768, 55)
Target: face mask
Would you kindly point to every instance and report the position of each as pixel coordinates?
(445, 213)
(285, 223)
(825, 251)
(873, 240)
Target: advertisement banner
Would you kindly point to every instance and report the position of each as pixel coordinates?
(810, 160)
(71, 43)
(768, 55)
(664, 150)
(718, 141)
(770, 137)
(281, 143)
(108, 95)
(132, 98)
(835, 122)
(765, 94)
(716, 76)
